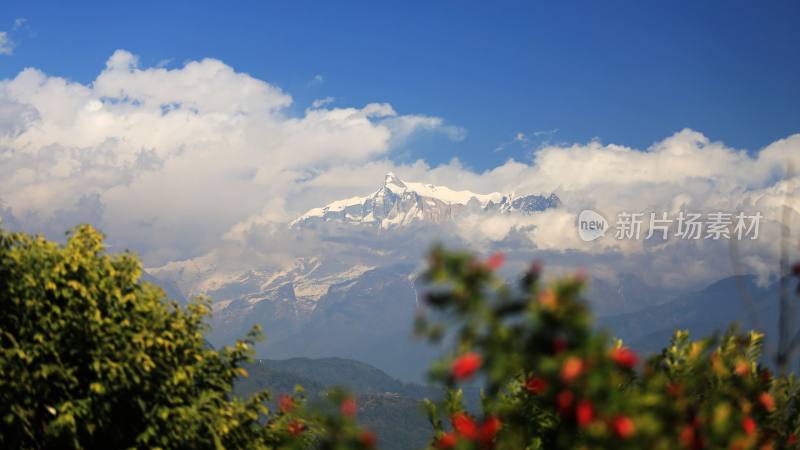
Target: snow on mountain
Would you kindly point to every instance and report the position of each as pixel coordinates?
(395, 203)
(308, 281)
(355, 295)
(400, 202)
(307, 278)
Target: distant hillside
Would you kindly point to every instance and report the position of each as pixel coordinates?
(387, 406)
(703, 312)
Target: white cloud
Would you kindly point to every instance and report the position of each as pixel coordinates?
(173, 161)
(6, 45)
(686, 171)
(404, 126)
(318, 79)
(320, 102)
(175, 156)
(8, 42)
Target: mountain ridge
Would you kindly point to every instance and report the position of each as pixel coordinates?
(399, 202)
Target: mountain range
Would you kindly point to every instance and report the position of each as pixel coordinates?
(399, 203)
(355, 296)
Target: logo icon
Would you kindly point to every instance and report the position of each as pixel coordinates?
(591, 225)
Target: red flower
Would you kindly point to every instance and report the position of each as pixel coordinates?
(564, 401)
(742, 369)
(465, 426)
(536, 385)
(446, 441)
(623, 427)
(495, 261)
(368, 439)
(624, 357)
(572, 369)
(674, 389)
(767, 401)
(559, 345)
(295, 428)
(584, 413)
(749, 425)
(466, 365)
(348, 407)
(286, 403)
(791, 440)
(489, 429)
(687, 436)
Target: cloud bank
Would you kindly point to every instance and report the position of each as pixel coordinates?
(168, 160)
(176, 163)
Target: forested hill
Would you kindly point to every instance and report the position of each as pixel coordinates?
(390, 408)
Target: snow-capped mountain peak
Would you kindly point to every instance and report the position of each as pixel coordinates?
(394, 184)
(399, 202)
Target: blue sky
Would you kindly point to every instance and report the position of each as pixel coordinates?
(175, 164)
(624, 72)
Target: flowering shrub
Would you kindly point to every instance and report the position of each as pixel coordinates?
(550, 381)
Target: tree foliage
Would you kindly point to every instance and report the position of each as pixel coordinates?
(90, 357)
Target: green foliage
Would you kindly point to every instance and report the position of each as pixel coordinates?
(553, 382)
(90, 357)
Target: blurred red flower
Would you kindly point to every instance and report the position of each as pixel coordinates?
(742, 369)
(624, 357)
(286, 403)
(536, 385)
(465, 426)
(564, 401)
(446, 441)
(295, 428)
(687, 436)
(748, 425)
(674, 389)
(572, 369)
(466, 365)
(489, 429)
(495, 261)
(767, 401)
(348, 407)
(584, 413)
(368, 439)
(623, 427)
